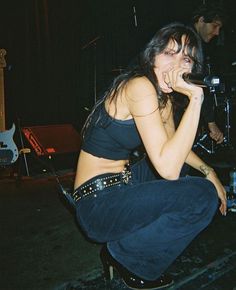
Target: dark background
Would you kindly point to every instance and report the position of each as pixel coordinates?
(56, 48)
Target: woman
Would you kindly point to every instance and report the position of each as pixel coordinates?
(146, 222)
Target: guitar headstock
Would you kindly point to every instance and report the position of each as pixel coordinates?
(2, 57)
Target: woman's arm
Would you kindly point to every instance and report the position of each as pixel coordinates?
(194, 161)
(167, 154)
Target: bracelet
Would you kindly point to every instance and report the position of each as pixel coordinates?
(206, 169)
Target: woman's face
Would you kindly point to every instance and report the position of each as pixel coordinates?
(169, 60)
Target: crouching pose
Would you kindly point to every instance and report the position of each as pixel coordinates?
(143, 221)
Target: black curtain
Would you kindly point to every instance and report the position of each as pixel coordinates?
(42, 60)
(61, 54)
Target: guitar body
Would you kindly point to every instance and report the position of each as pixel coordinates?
(8, 150)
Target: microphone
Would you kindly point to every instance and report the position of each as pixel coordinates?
(202, 80)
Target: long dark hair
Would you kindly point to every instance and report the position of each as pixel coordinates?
(144, 66)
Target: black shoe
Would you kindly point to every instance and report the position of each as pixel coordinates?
(130, 279)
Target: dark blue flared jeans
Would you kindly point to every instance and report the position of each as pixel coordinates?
(148, 222)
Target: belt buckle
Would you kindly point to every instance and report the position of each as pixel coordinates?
(126, 175)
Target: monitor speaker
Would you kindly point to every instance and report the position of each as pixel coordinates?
(53, 139)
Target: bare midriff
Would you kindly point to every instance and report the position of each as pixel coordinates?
(90, 166)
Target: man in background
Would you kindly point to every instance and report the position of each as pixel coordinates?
(208, 20)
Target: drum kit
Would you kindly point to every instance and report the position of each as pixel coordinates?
(224, 96)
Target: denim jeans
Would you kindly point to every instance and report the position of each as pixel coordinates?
(148, 222)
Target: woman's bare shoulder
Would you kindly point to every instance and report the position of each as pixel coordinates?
(139, 82)
(139, 87)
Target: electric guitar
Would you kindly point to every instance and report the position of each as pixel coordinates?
(8, 150)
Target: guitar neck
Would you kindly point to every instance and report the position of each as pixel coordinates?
(2, 102)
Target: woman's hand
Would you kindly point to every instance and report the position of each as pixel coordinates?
(215, 132)
(220, 191)
(174, 80)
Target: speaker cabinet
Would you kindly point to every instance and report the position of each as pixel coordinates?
(53, 139)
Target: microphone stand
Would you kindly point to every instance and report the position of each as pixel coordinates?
(135, 16)
(93, 43)
(227, 110)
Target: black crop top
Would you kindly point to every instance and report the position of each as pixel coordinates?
(110, 138)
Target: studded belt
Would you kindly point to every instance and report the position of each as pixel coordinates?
(107, 180)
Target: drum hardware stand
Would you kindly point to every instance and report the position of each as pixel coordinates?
(199, 143)
(212, 90)
(227, 125)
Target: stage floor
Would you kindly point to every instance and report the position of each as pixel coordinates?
(42, 248)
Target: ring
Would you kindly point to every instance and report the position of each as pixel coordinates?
(169, 85)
